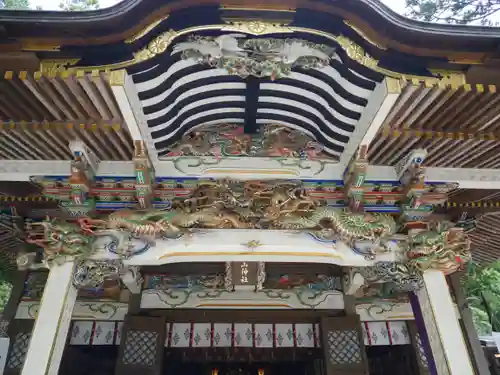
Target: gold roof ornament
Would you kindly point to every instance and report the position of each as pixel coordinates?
(258, 27)
(356, 52)
(156, 46)
(50, 68)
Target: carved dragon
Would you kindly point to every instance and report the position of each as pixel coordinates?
(162, 223)
(63, 239)
(446, 249)
(348, 226)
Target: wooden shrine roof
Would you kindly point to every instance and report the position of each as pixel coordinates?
(456, 121)
(368, 21)
(43, 112)
(459, 126)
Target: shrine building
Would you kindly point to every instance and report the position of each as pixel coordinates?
(267, 187)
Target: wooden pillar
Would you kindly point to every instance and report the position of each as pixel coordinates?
(469, 331)
(48, 339)
(439, 329)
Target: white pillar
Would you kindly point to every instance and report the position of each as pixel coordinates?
(443, 331)
(48, 338)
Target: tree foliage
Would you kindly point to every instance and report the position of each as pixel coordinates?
(79, 5)
(454, 11)
(14, 4)
(5, 290)
(482, 289)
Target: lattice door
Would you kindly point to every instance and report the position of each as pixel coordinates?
(343, 346)
(142, 346)
(20, 335)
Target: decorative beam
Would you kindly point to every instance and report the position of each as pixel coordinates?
(128, 100)
(464, 178)
(355, 178)
(417, 202)
(373, 117)
(84, 167)
(144, 175)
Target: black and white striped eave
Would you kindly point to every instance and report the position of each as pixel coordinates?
(178, 95)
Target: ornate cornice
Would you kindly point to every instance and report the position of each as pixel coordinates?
(161, 43)
(113, 21)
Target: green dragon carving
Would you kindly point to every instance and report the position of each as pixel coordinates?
(446, 249)
(60, 240)
(348, 226)
(162, 223)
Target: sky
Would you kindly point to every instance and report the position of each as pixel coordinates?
(396, 5)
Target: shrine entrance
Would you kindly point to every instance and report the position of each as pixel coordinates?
(240, 368)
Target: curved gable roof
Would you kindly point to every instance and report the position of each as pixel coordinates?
(373, 20)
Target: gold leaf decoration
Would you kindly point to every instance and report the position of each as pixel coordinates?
(356, 52)
(156, 46)
(257, 27)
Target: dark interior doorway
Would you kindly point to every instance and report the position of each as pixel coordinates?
(395, 359)
(89, 360)
(238, 368)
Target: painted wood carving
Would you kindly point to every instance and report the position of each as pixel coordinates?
(274, 141)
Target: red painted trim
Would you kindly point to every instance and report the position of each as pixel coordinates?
(389, 332)
(169, 338)
(274, 336)
(212, 334)
(254, 341)
(315, 338)
(294, 335)
(368, 333)
(115, 333)
(92, 333)
(191, 335)
(233, 343)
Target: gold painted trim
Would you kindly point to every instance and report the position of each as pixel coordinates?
(117, 77)
(261, 9)
(432, 134)
(393, 85)
(35, 46)
(146, 30)
(250, 171)
(248, 252)
(201, 305)
(160, 44)
(51, 67)
(402, 317)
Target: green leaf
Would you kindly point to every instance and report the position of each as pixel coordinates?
(454, 11)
